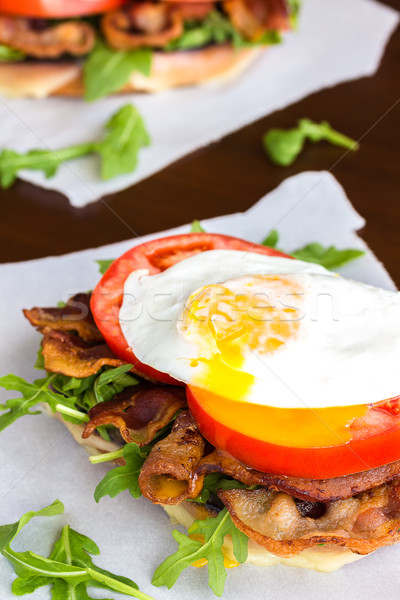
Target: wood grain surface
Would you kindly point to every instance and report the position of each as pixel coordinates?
(232, 174)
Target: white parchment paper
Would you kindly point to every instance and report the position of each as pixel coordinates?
(40, 461)
(336, 41)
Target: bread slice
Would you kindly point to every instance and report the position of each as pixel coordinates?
(38, 79)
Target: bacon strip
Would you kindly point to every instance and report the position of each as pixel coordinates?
(362, 524)
(72, 37)
(320, 490)
(169, 468)
(255, 17)
(75, 316)
(138, 412)
(194, 10)
(142, 24)
(68, 355)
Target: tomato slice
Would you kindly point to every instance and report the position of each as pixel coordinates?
(354, 438)
(57, 8)
(155, 256)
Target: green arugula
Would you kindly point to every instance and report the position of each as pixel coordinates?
(329, 257)
(112, 381)
(294, 10)
(107, 70)
(32, 394)
(69, 568)
(196, 227)
(104, 264)
(214, 482)
(118, 150)
(284, 145)
(10, 55)
(126, 135)
(125, 477)
(190, 550)
(272, 239)
(71, 396)
(216, 28)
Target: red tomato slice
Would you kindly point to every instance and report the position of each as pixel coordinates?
(369, 437)
(155, 256)
(57, 8)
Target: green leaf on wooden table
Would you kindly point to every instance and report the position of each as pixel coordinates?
(284, 145)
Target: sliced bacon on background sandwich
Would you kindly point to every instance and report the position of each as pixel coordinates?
(97, 47)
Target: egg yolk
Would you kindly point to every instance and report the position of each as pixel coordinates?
(233, 321)
(230, 323)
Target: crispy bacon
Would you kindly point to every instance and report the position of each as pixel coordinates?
(320, 490)
(195, 10)
(138, 412)
(75, 316)
(142, 24)
(170, 466)
(66, 354)
(362, 524)
(72, 37)
(255, 17)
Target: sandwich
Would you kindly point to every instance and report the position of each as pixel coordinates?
(93, 48)
(251, 394)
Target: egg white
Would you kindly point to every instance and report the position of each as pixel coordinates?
(347, 350)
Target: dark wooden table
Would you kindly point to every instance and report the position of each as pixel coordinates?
(231, 175)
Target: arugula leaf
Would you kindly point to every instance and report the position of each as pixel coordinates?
(69, 569)
(104, 264)
(107, 70)
(272, 239)
(58, 391)
(10, 54)
(284, 145)
(196, 227)
(125, 135)
(32, 394)
(216, 28)
(39, 364)
(112, 382)
(266, 39)
(331, 258)
(48, 161)
(294, 10)
(190, 550)
(216, 481)
(125, 477)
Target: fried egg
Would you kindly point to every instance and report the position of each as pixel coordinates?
(267, 330)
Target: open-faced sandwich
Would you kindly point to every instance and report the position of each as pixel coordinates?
(97, 47)
(239, 387)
